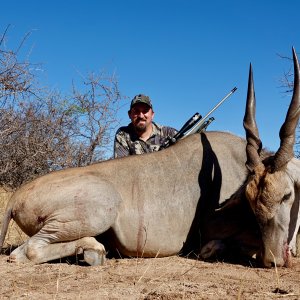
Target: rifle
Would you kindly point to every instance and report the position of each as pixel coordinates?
(195, 124)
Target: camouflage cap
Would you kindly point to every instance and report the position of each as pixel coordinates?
(140, 99)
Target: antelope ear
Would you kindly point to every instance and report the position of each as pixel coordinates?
(251, 193)
(234, 200)
(247, 192)
(252, 187)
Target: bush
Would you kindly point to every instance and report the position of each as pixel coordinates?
(42, 130)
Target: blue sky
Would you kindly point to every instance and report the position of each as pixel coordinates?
(185, 54)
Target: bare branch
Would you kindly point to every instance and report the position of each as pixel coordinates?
(42, 130)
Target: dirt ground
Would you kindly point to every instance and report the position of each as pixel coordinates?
(155, 278)
(139, 278)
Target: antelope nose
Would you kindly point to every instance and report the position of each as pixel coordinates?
(272, 263)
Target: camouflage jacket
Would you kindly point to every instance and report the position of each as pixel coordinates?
(128, 143)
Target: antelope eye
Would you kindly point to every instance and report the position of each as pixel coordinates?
(286, 197)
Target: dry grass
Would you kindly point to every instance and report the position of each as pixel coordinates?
(156, 278)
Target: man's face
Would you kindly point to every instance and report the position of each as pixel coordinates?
(141, 116)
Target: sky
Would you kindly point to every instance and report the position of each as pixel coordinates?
(185, 54)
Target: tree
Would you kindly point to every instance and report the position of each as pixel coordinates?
(42, 130)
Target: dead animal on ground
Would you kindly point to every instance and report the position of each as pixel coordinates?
(206, 192)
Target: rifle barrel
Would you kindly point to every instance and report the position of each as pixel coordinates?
(212, 110)
(196, 126)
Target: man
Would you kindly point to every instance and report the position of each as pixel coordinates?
(142, 135)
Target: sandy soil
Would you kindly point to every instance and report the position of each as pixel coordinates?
(139, 278)
(155, 278)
